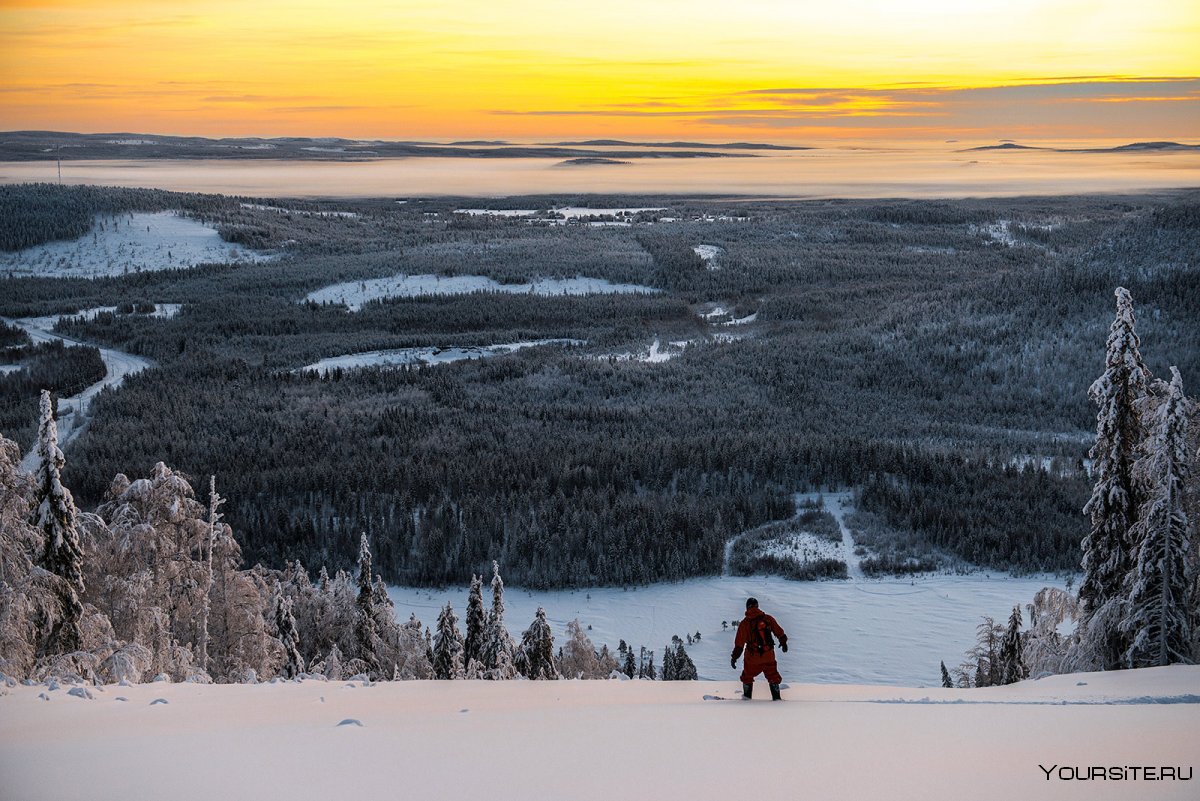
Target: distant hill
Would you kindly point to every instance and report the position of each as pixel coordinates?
(1132, 147)
(587, 161)
(1005, 146)
(721, 146)
(51, 145)
(1139, 146)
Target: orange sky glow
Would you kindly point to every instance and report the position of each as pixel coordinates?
(532, 70)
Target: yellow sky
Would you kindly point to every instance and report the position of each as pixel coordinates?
(535, 69)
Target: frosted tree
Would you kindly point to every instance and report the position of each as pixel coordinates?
(668, 663)
(498, 647)
(607, 664)
(366, 634)
(1158, 624)
(946, 680)
(214, 517)
(629, 664)
(1114, 502)
(1046, 650)
(56, 517)
(476, 622)
(1012, 660)
(448, 646)
(579, 660)
(285, 628)
(536, 660)
(685, 668)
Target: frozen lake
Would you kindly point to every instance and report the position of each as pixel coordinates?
(891, 631)
(843, 170)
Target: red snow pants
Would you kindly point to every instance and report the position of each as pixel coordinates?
(760, 663)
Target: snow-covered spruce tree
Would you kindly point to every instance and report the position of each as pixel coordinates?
(1012, 659)
(537, 649)
(685, 668)
(499, 655)
(448, 646)
(606, 663)
(366, 636)
(476, 622)
(668, 663)
(1158, 622)
(1114, 502)
(285, 630)
(579, 660)
(56, 517)
(946, 681)
(629, 667)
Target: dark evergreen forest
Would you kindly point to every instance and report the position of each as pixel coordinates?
(900, 348)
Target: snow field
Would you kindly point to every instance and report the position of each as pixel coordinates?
(857, 631)
(356, 293)
(129, 243)
(400, 357)
(595, 740)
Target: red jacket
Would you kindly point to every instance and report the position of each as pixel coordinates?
(746, 628)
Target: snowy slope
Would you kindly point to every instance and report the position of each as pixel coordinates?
(128, 243)
(598, 740)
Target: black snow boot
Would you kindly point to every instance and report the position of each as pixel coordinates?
(747, 691)
(775, 693)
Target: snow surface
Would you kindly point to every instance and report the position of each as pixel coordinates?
(597, 740)
(856, 631)
(400, 357)
(709, 254)
(356, 293)
(129, 243)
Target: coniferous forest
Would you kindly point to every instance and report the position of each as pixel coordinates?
(932, 355)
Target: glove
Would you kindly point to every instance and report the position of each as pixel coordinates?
(783, 647)
(733, 662)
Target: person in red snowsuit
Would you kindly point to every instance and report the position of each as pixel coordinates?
(754, 634)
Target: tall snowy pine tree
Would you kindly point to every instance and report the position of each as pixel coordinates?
(56, 516)
(1012, 659)
(285, 627)
(537, 649)
(476, 622)
(365, 631)
(1113, 505)
(448, 646)
(1158, 622)
(498, 656)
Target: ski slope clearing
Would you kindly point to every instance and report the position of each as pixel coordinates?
(402, 357)
(588, 740)
(127, 243)
(857, 631)
(353, 294)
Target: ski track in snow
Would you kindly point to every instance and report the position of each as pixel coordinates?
(75, 411)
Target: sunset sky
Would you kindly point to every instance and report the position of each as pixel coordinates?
(767, 70)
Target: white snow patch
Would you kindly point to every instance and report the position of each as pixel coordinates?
(401, 357)
(709, 254)
(585, 738)
(356, 293)
(749, 318)
(124, 243)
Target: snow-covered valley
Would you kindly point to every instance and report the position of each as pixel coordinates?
(859, 631)
(601, 739)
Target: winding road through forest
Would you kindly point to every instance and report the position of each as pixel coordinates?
(75, 411)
